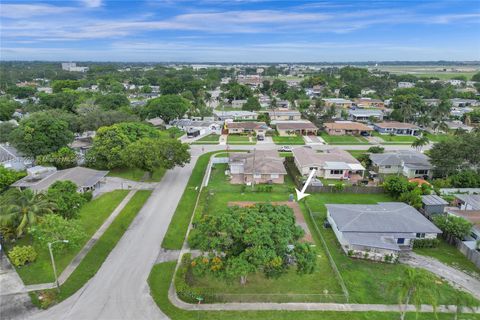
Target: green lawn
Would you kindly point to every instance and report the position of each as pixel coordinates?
(209, 139)
(98, 253)
(439, 137)
(91, 217)
(285, 154)
(237, 139)
(389, 139)
(357, 273)
(347, 139)
(135, 174)
(292, 140)
(172, 132)
(357, 153)
(451, 256)
(159, 283)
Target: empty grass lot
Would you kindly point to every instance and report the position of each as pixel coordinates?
(161, 275)
(293, 140)
(99, 252)
(357, 153)
(451, 256)
(209, 139)
(237, 139)
(389, 139)
(347, 139)
(135, 174)
(91, 217)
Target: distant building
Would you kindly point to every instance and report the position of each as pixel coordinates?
(72, 66)
(404, 85)
(338, 103)
(365, 115)
(284, 115)
(339, 128)
(238, 103)
(368, 103)
(235, 115)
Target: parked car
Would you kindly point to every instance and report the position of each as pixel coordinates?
(260, 138)
(285, 149)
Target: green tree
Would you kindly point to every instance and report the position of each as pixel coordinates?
(252, 104)
(279, 86)
(149, 154)
(168, 107)
(396, 185)
(8, 176)
(53, 228)
(415, 288)
(66, 198)
(65, 100)
(453, 226)
(351, 91)
(406, 105)
(22, 208)
(419, 143)
(61, 159)
(40, 134)
(305, 258)
(59, 85)
(112, 101)
(21, 92)
(7, 108)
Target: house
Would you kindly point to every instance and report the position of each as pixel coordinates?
(365, 115)
(238, 103)
(235, 115)
(461, 103)
(203, 127)
(408, 163)
(457, 124)
(467, 202)
(332, 164)
(397, 128)
(10, 158)
(259, 166)
(433, 204)
(41, 178)
(460, 111)
(282, 104)
(404, 84)
(82, 144)
(339, 128)
(283, 114)
(258, 128)
(431, 102)
(339, 103)
(300, 127)
(368, 103)
(72, 67)
(378, 231)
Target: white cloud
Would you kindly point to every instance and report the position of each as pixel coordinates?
(19, 11)
(92, 3)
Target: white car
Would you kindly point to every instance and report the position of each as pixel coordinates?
(285, 149)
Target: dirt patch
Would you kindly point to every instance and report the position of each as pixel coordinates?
(300, 220)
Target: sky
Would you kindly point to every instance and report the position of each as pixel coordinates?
(239, 30)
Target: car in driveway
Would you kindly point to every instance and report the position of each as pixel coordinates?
(285, 149)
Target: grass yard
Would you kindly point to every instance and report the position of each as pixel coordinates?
(293, 140)
(440, 137)
(161, 275)
(97, 254)
(357, 153)
(347, 139)
(285, 154)
(389, 139)
(91, 217)
(172, 132)
(209, 139)
(135, 174)
(451, 256)
(357, 273)
(237, 139)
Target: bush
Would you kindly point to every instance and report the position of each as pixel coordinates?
(263, 188)
(426, 243)
(182, 278)
(20, 255)
(88, 195)
(376, 149)
(339, 187)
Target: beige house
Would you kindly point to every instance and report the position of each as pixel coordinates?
(368, 103)
(258, 128)
(284, 115)
(339, 103)
(339, 128)
(290, 128)
(258, 166)
(332, 164)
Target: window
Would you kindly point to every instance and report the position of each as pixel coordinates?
(388, 167)
(336, 171)
(401, 240)
(420, 235)
(257, 176)
(423, 172)
(274, 176)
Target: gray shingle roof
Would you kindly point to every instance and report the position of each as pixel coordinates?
(7, 153)
(384, 217)
(472, 199)
(410, 158)
(433, 200)
(266, 162)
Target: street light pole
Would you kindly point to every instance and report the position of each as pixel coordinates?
(53, 261)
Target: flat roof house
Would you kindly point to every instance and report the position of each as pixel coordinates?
(301, 127)
(378, 230)
(339, 128)
(40, 178)
(364, 115)
(259, 166)
(411, 164)
(284, 115)
(259, 128)
(397, 128)
(332, 164)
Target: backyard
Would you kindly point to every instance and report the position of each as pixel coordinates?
(346, 139)
(292, 140)
(91, 217)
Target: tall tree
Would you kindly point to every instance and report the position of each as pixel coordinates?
(168, 107)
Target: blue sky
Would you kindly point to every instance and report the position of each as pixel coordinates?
(239, 30)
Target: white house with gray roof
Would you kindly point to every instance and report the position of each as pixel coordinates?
(364, 115)
(378, 230)
(411, 164)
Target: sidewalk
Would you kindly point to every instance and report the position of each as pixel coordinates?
(19, 287)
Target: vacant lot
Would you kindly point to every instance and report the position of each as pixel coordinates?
(389, 139)
(294, 140)
(347, 139)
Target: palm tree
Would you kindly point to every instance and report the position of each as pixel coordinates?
(22, 209)
(415, 288)
(419, 143)
(461, 302)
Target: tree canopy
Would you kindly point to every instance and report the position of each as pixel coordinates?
(168, 107)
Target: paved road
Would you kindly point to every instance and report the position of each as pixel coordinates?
(119, 290)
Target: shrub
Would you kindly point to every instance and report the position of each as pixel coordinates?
(426, 243)
(20, 255)
(88, 195)
(376, 149)
(182, 279)
(339, 187)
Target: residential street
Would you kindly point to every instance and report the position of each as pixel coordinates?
(119, 290)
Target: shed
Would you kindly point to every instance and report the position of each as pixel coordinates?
(433, 204)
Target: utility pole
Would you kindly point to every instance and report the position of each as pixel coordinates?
(253, 175)
(53, 261)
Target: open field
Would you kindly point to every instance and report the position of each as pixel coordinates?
(91, 217)
(347, 139)
(440, 72)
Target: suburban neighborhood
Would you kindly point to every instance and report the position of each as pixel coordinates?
(238, 163)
